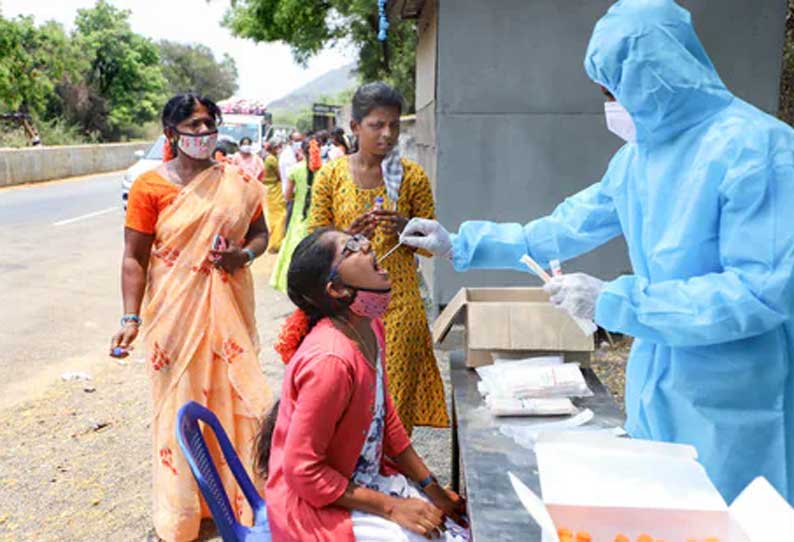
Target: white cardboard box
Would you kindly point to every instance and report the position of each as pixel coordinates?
(607, 486)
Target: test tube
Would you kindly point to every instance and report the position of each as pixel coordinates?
(379, 203)
(556, 268)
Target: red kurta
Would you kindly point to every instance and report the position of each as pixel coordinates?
(327, 403)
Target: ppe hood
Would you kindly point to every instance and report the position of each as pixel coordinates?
(646, 53)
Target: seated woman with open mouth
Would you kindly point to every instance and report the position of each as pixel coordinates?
(339, 463)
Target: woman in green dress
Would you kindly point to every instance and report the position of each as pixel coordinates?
(299, 182)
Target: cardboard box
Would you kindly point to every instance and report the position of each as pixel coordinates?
(608, 486)
(518, 321)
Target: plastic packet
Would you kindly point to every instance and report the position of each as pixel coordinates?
(493, 380)
(526, 381)
(528, 362)
(500, 406)
(564, 380)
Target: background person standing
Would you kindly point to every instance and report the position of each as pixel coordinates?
(276, 207)
(344, 196)
(287, 158)
(248, 161)
(299, 184)
(198, 313)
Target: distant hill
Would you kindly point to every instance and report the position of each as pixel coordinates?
(328, 84)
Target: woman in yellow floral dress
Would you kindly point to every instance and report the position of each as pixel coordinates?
(357, 193)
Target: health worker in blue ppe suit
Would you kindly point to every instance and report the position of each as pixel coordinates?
(703, 192)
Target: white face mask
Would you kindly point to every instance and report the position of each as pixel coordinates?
(619, 121)
(246, 149)
(198, 147)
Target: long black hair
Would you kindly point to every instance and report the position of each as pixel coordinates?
(307, 278)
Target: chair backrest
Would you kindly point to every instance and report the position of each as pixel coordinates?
(188, 434)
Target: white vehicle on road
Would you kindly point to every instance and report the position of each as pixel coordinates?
(147, 161)
(255, 127)
(245, 118)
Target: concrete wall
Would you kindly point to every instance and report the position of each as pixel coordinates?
(35, 164)
(407, 141)
(425, 126)
(518, 125)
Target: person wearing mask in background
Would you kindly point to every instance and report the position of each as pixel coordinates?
(702, 192)
(286, 159)
(198, 313)
(248, 161)
(299, 184)
(276, 207)
(224, 150)
(339, 144)
(374, 193)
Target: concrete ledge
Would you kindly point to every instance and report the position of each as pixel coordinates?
(30, 165)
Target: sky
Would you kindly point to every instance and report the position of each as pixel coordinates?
(266, 71)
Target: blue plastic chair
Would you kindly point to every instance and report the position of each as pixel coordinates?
(190, 439)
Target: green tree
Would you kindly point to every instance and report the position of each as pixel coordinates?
(308, 26)
(193, 68)
(33, 60)
(124, 69)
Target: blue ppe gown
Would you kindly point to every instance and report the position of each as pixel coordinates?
(705, 200)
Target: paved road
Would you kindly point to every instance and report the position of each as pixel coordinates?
(43, 204)
(60, 295)
(59, 280)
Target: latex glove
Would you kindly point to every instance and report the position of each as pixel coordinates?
(576, 293)
(429, 235)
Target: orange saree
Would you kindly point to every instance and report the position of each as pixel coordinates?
(201, 341)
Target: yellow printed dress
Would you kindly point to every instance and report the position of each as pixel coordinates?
(276, 206)
(414, 379)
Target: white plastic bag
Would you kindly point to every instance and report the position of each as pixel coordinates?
(525, 381)
(525, 435)
(564, 380)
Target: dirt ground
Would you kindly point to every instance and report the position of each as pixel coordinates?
(75, 459)
(75, 462)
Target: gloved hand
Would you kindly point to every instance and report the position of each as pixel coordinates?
(576, 293)
(429, 235)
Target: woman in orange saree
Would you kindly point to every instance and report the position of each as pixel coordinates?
(192, 227)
